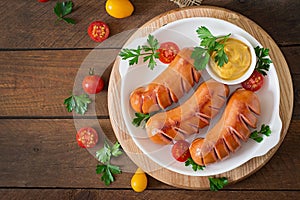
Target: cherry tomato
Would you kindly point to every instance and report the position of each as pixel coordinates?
(87, 137)
(139, 181)
(92, 84)
(43, 0)
(167, 52)
(180, 150)
(254, 82)
(98, 31)
(119, 8)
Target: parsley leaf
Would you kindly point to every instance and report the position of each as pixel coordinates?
(77, 103)
(195, 166)
(209, 44)
(148, 52)
(217, 183)
(131, 53)
(255, 136)
(105, 168)
(115, 150)
(264, 130)
(62, 9)
(107, 172)
(201, 58)
(104, 154)
(263, 63)
(140, 118)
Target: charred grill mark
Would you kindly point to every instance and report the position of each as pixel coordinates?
(162, 134)
(222, 96)
(232, 141)
(182, 85)
(196, 75)
(202, 116)
(180, 130)
(158, 101)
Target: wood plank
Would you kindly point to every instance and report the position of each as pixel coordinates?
(67, 194)
(36, 27)
(44, 153)
(292, 54)
(32, 25)
(35, 83)
(273, 19)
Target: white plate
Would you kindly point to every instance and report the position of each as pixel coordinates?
(183, 33)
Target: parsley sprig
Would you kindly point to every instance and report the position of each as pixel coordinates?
(209, 44)
(217, 183)
(105, 168)
(195, 166)
(77, 103)
(62, 9)
(148, 52)
(263, 62)
(257, 135)
(140, 119)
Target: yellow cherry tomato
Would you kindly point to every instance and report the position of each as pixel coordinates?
(139, 181)
(119, 8)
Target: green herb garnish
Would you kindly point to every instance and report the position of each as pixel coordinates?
(77, 103)
(263, 63)
(209, 44)
(62, 9)
(140, 118)
(264, 130)
(148, 52)
(105, 168)
(217, 183)
(195, 166)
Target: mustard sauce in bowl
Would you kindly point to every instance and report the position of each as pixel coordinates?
(240, 65)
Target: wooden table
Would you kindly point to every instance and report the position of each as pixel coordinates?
(40, 61)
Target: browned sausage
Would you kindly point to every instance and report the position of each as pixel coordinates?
(189, 117)
(178, 78)
(225, 136)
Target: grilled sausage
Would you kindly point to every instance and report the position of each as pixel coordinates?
(225, 136)
(189, 117)
(178, 78)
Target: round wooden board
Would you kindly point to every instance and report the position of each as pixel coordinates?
(196, 182)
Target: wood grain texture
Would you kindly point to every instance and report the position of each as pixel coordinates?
(37, 82)
(191, 182)
(89, 194)
(43, 153)
(28, 24)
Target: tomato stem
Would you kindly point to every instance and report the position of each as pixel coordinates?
(91, 71)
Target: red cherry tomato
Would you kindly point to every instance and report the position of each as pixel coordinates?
(180, 150)
(254, 82)
(43, 0)
(167, 52)
(87, 137)
(92, 84)
(98, 31)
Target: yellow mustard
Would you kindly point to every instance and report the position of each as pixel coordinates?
(239, 60)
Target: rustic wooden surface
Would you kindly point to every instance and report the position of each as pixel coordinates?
(39, 63)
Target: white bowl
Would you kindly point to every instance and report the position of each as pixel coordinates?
(247, 73)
